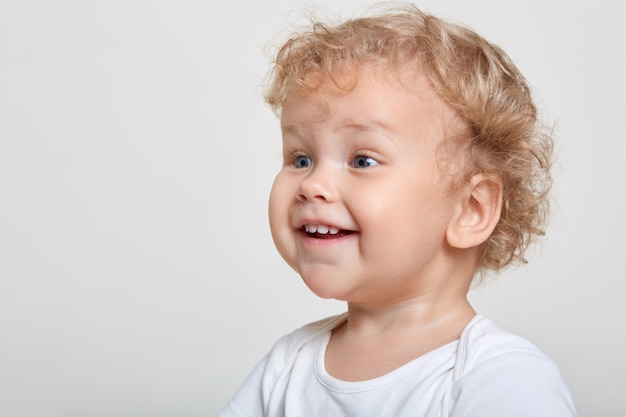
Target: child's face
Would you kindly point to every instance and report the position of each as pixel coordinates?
(360, 208)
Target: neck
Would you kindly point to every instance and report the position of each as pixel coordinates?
(377, 339)
(415, 313)
(429, 307)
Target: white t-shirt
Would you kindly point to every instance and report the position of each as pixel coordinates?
(486, 373)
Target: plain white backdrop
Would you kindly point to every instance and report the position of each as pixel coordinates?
(137, 273)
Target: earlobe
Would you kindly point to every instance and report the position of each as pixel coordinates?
(477, 214)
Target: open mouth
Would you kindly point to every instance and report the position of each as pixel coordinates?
(319, 231)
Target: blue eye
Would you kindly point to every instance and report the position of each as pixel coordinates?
(302, 162)
(362, 161)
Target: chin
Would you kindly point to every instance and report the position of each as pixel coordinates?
(322, 288)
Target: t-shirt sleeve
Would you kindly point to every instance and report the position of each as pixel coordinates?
(248, 400)
(251, 399)
(513, 385)
(261, 394)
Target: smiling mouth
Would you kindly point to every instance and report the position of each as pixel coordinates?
(319, 231)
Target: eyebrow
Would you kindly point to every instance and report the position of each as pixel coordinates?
(291, 129)
(371, 126)
(375, 126)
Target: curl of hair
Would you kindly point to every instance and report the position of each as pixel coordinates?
(504, 136)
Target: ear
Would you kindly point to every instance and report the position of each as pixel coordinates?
(477, 214)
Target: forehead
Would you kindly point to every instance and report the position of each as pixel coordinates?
(399, 97)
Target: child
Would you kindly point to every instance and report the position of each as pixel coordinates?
(413, 160)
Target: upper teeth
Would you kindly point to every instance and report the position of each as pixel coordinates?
(321, 229)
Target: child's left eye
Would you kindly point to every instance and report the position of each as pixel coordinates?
(363, 161)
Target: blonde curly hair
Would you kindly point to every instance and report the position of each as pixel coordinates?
(503, 134)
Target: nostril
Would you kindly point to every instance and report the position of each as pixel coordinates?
(316, 187)
(318, 194)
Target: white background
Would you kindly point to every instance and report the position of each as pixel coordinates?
(137, 273)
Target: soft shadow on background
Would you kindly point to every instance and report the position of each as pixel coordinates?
(137, 273)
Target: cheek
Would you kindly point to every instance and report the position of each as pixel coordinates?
(280, 200)
(278, 205)
(407, 215)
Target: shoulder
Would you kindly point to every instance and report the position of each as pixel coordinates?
(497, 371)
(290, 344)
(483, 341)
(277, 364)
(255, 397)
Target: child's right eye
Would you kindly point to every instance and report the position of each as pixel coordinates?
(302, 161)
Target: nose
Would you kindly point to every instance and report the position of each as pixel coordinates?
(318, 185)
